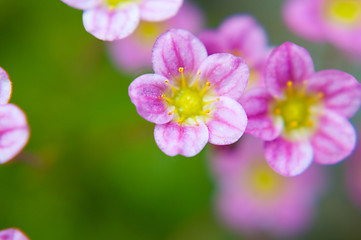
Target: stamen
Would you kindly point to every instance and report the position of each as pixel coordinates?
(207, 111)
(196, 121)
(174, 111)
(277, 111)
(179, 121)
(294, 124)
(289, 84)
(203, 91)
(309, 123)
(167, 99)
(195, 86)
(171, 86)
(182, 76)
(205, 103)
(320, 95)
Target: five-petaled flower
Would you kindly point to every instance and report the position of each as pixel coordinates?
(242, 36)
(14, 129)
(191, 97)
(253, 199)
(116, 19)
(302, 115)
(334, 21)
(12, 234)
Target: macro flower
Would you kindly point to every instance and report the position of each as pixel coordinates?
(334, 21)
(242, 36)
(14, 129)
(191, 96)
(12, 234)
(353, 176)
(116, 19)
(302, 115)
(252, 199)
(134, 53)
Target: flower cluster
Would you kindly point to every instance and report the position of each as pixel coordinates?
(12, 234)
(14, 129)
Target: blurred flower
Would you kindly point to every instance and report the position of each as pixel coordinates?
(334, 21)
(116, 19)
(14, 129)
(191, 97)
(252, 198)
(12, 234)
(353, 175)
(242, 36)
(302, 115)
(133, 54)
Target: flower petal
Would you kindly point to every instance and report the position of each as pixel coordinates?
(288, 158)
(227, 74)
(228, 122)
(159, 10)
(109, 25)
(12, 234)
(14, 131)
(288, 62)
(304, 18)
(334, 139)
(213, 41)
(82, 4)
(341, 91)
(244, 36)
(145, 92)
(260, 123)
(5, 87)
(173, 138)
(177, 48)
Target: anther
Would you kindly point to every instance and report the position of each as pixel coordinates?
(179, 121)
(171, 86)
(289, 83)
(277, 111)
(207, 111)
(196, 121)
(294, 124)
(309, 123)
(320, 95)
(163, 96)
(180, 69)
(208, 84)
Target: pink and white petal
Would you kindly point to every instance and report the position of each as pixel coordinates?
(334, 140)
(173, 138)
(256, 103)
(12, 234)
(227, 123)
(288, 62)
(145, 92)
(288, 158)
(213, 41)
(227, 74)
(244, 35)
(5, 87)
(159, 10)
(304, 17)
(83, 4)
(14, 131)
(177, 48)
(341, 91)
(111, 24)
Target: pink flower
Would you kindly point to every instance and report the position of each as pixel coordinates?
(353, 175)
(334, 21)
(242, 36)
(191, 97)
(252, 198)
(12, 234)
(302, 115)
(133, 54)
(116, 19)
(14, 129)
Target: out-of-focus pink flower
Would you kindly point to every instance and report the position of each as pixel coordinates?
(14, 129)
(334, 21)
(12, 234)
(242, 36)
(134, 53)
(253, 199)
(191, 97)
(116, 19)
(353, 175)
(302, 115)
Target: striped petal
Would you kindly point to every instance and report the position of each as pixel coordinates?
(5, 87)
(159, 10)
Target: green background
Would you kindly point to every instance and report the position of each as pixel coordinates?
(92, 169)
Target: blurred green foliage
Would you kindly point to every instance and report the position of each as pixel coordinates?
(92, 169)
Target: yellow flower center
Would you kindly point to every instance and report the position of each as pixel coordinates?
(345, 12)
(297, 108)
(149, 31)
(188, 102)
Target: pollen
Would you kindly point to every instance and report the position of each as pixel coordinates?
(346, 12)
